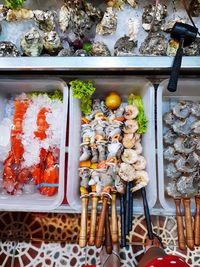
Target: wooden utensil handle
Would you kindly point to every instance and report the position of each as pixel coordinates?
(197, 222)
(108, 238)
(93, 221)
(84, 218)
(188, 223)
(180, 228)
(114, 221)
(101, 224)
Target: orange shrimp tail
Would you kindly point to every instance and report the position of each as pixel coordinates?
(51, 176)
(41, 124)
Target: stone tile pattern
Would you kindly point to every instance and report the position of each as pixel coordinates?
(29, 240)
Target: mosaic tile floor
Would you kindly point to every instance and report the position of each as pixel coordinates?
(33, 240)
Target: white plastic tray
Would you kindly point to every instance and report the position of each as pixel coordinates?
(124, 86)
(36, 201)
(188, 89)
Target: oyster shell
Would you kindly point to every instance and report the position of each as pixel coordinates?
(100, 49)
(194, 8)
(73, 18)
(66, 52)
(124, 47)
(81, 53)
(154, 44)
(133, 27)
(45, 20)
(32, 43)
(52, 43)
(3, 12)
(108, 24)
(93, 11)
(167, 27)
(8, 49)
(65, 17)
(148, 17)
(132, 3)
(19, 14)
(193, 49)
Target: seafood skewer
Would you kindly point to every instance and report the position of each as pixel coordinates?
(172, 191)
(84, 219)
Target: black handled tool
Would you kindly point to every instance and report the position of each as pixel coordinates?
(185, 34)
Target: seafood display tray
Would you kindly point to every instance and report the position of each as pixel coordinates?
(36, 201)
(123, 85)
(188, 89)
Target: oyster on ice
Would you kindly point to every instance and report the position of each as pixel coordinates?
(45, 20)
(100, 49)
(19, 14)
(32, 43)
(3, 12)
(66, 52)
(148, 16)
(167, 27)
(93, 11)
(8, 49)
(124, 47)
(108, 24)
(154, 44)
(71, 17)
(81, 53)
(52, 43)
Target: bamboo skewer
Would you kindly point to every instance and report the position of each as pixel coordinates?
(188, 223)
(93, 219)
(180, 228)
(84, 219)
(108, 237)
(114, 220)
(197, 222)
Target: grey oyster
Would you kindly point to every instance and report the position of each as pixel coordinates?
(66, 52)
(100, 49)
(71, 17)
(65, 17)
(155, 44)
(32, 43)
(108, 24)
(19, 14)
(3, 12)
(194, 8)
(193, 49)
(81, 53)
(167, 27)
(45, 20)
(124, 47)
(8, 49)
(148, 17)
(93, 11)
(132, 3)
(52, 43)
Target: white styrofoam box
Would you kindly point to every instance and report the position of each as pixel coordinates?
(188, 89)
(36, 201)
(124, 85)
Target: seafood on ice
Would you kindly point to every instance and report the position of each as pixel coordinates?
(108, 24)
(32, 43)
(32, 153)
(181, 142)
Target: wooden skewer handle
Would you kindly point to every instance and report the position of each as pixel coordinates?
(108, 238)
(188, 223)
(93, 221)
(84, 217)
(114, 221)
(197, 222)
(101, 224)
(180, 228)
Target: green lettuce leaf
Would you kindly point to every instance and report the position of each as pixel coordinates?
(14, 4)
(141, 118)
(83, 91)
(57, 94)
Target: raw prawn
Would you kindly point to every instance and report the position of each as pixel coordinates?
(131, 112)
(130, 126)
(129, 156)
(12, 162)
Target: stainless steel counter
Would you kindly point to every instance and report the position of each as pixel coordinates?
(138, 63)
